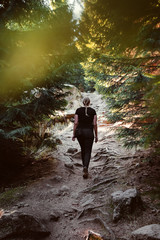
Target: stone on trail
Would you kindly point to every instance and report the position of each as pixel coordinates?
(72, 150)
(125, 203)
(18, 224)
(56, 179)
(149, 232)
(22, 204)
(64, 190)
(69, 165)
(54, 216)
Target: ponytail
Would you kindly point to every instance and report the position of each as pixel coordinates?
(86, 111)
(86, 102)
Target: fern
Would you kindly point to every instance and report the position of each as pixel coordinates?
(19, 133)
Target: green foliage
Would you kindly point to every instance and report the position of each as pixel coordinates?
(121, 39)
(152, 97)
(10, 196)
(114, 26)
(141, 110)
(37, 56)
(132, 98)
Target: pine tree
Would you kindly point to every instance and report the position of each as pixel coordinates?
(37, 52)
(122, 40)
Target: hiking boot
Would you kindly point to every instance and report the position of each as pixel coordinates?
(85, 172)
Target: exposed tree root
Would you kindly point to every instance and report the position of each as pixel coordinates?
(92, 209)
(92, 188)
(102, 187)
(101, 157)
(98, 179)
(98, 219)
(100, 165)
(109, 168)
(70, 171)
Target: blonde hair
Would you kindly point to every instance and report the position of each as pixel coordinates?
(86, 102)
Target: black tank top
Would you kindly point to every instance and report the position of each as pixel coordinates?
(83, 120)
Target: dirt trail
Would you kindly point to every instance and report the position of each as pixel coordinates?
(84, 204)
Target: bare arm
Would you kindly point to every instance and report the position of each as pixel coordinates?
(75, 126)
(95, 127)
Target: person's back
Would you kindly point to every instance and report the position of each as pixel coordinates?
(85, 120)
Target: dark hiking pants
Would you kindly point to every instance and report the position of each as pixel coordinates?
(86, 142)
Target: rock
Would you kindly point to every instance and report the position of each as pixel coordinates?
(69, 165)
(72, 150)
(21, 224)
(54, 216)
(56, 179)
(149, 232)
(58, 141)
(73, 99)
(26, 205)
(53, 191)
(125, 203)
(22, 204)
(116, 197)
(64, 188)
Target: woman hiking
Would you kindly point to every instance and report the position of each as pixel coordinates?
(85, 128)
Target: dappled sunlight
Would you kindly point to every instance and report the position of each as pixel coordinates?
(23, 63)
(53, 54)
(30, 61)
(34, 50)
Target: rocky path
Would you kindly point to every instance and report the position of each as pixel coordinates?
(69, 205)
(73, 204)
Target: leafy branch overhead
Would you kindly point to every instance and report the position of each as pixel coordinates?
(117, 26)
(122, 42)
(37, 53)
(114, 48)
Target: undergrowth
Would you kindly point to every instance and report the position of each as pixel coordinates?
(11, 196)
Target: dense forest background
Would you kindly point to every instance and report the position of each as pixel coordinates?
(113, 48)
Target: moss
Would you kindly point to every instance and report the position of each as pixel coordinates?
(11, 196)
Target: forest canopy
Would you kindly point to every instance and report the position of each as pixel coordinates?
(114, 45)
(121, 40)
(117, 26)
(38, 55)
